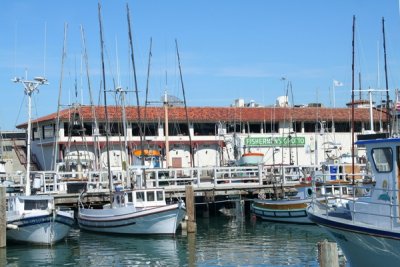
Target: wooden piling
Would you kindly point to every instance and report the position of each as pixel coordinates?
(328, 254)
(3, 217)
(190, 210)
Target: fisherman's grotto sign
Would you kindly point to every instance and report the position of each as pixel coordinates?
(287, 141)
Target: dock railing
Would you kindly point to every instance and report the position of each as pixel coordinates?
(50, 182)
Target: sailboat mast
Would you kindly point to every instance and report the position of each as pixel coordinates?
(147, 85)
(57, 128)
(352, 101)
(386, 78)
(186, 110)
(105, 106)
(166, 134)
(136, 93)
(96, 126)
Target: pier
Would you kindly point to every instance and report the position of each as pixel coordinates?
(210, 184)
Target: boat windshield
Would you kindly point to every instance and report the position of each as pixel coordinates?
(36, 204)
(383, 159)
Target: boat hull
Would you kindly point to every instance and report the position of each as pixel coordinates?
(363, 245)
(43, 229)
(158, 220)
(281, 211)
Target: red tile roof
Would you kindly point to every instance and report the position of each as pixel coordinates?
(214, 114)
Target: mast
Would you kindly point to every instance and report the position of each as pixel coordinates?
(352, 101)
(386, 78)
(186, 110)
(137, 95)
(119, 90)
(105, 105)
(30, 88)
(55, 152)
(147, 85)
(96, 126)
(165, 104)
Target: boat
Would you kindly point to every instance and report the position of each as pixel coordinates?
(251, 159)
(292, 208)
(139, 210)
(35, 219)
(368, 229)
(152, 157)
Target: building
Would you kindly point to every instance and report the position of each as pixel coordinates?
(218, 135)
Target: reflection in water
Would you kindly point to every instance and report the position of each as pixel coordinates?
(219, 241)
(243, 242)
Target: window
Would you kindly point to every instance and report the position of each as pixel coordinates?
(204, 128)
(35, 204)
(48, 131)
(296, 126)
(383, 159)
(150, 196)
(140, 196)
(254, 127)
(160, 196)
(175, 129)
(84, 129)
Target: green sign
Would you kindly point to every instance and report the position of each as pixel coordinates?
(287, 141)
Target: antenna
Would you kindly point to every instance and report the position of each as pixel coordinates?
(44, 52)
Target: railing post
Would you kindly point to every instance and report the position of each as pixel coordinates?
(156, 176)
(198, 177)
(3, 217)
(260, 174)
(215, 176)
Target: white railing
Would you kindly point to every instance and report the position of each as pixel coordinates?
(235, 176)
(366, 204)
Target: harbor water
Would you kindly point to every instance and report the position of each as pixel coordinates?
(219, 241)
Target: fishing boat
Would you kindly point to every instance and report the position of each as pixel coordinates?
(130, 211)
(139, 211)
(368, 229)
(292, 208)
(35, 219)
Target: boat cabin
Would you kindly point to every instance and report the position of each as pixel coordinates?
(24, 203)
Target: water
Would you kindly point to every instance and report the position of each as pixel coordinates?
(219, 241)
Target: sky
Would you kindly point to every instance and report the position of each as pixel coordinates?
(228, 49)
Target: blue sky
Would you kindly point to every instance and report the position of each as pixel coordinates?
(229, 49)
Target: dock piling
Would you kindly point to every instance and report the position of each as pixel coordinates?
(190, 210)
(3, 217)
(328, 254)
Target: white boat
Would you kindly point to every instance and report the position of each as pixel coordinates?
(251, 159)
(35, 219)
(368, 229)
(136, 211)
(293, 207)
(139, 211)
